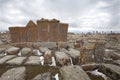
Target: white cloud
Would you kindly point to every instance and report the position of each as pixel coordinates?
(82, 15)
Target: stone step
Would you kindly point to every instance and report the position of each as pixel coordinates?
(16, 61)
(6, 58)
(73, 73)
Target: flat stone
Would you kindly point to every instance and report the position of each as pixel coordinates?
(43, 49)
(62, 59)
(26, 51)
(16, 61)
(14, 74)
(73, 73)
(45, 76)
(6, 58)
(111, 71)
(13, 50)
(33, 60)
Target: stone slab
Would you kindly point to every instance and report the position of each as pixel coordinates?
(111, 71)
(16, 61)
(33, 60)
(73, 73)
(4, 59)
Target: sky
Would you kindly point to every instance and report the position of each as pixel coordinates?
(81, 15)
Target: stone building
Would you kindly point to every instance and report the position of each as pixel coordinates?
(45, 30)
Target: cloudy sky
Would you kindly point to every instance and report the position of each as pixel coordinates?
(82, 15)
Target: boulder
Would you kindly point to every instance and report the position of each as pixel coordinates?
(62, 59)
(14, 74)
(26, 51)
(73, 73)
(48, 57)
(13, 50)
(43, 49)
(44, 76)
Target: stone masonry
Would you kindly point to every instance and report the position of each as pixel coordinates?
(45, 30)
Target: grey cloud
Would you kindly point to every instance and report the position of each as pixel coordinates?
(70, 11)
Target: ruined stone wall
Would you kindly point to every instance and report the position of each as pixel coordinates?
(45, 30)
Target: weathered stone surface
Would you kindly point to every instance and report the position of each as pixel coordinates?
(14, 74)
(49, 45)
(2, 55)
(43, 49)
(90, 67)
(117, 62)
(86, 55)
(73, 73)
(62, 59)
(2, 50)
(33, 60)
(115, 56)
(4, 59)
(99, 52)
(13, 50)
(111, 71)
(75, 55)
(16, 61)
(45, 76)
(26, 51)
(36, 52)
(48, 57)
(1, 42)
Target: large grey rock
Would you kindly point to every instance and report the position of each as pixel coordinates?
(6, 58)
(33, 60)
(26, 51)
(45, 76)
(43, 49)
(16, 61)
(73, 73)
(62, 59)
(48, 57)
(111, 71)
(13, 50)
(14, 74)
